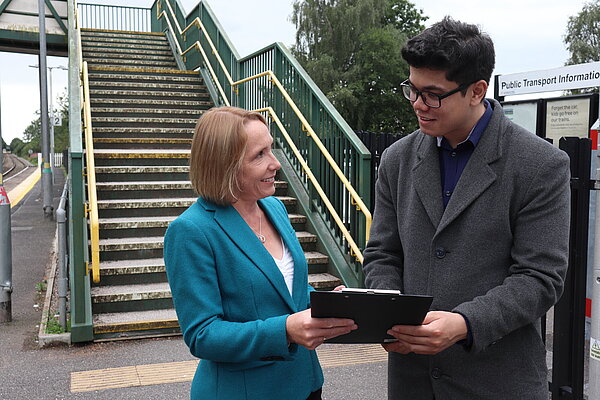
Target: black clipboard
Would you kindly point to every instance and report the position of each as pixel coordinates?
(374, 311)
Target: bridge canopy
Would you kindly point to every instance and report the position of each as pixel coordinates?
(19, 26)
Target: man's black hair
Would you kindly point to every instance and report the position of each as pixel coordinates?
(462, 50)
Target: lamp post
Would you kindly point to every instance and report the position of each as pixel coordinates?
(5, 244)
(51, 112)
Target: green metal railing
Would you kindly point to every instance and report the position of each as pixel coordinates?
(328, 159)
(272, 79)
(121, 18)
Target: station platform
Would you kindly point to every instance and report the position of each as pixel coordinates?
(160, 368)
(20, 185)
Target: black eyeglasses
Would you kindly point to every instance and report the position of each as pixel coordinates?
(430, 99)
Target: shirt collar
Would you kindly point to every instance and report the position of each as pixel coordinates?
(477, 130)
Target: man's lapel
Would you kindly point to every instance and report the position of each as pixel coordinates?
(477, 176)
(427, 181)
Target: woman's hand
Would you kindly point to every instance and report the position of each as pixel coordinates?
(311, 332)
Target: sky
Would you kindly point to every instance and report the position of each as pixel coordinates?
(528, 36)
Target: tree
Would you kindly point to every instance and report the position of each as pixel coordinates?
(351, 49)
(583, 37)
(32, 134)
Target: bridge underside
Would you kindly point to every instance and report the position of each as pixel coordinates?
(29, 43)
(20, 26)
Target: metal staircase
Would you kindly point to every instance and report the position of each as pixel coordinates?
(144, 110)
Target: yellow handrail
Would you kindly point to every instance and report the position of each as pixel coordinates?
(356, 200)
(92, 204)
(354, 250)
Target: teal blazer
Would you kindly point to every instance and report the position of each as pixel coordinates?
(232, 304)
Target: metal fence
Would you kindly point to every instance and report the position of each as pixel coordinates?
(568, 354)
(376, 142)
(272, 78)
(101, 16)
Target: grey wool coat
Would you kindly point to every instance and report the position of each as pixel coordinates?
(497, 254)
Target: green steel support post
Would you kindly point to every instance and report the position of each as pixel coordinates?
(80, 301)
(81, 310)
(154, 22)
(56, 16)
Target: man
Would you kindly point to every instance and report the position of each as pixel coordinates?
(474, 211)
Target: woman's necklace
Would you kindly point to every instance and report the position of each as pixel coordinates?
(259, 234)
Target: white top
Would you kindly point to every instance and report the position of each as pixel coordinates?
(286, 266)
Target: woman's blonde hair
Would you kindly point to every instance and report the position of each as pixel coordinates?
(217, 154)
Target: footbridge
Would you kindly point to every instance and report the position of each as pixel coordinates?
(19, 26)
(139, 78)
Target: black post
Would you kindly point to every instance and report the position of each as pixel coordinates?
(569, 313)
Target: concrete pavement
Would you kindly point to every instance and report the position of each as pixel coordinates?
(28, 372)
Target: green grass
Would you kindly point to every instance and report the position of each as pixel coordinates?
(53, 326)
(41, 287)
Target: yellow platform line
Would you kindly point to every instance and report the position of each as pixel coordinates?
(20, 191)
(183, 371)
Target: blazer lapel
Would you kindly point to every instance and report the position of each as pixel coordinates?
(299, 290)
(244, 238)
(477, 175)
(427, 181)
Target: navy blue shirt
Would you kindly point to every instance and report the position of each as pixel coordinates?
(454, 161)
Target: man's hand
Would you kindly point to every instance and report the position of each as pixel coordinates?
(440, 330)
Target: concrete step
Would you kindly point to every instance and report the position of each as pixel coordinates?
(157, 265)
(131, 62)
(145, 93)
(141, 132)
(142, 143)
(161, 290)
(156, 242)
(131, 243)
(132, 297)
(123, 169)
(132, 267)
(146, 203)
(132, 324)
(141, 153)
(120, 293)
(149, 85)
(92, 34)
(149, 43)
(140, 71)
(150, 112)
(128, 55)
(144, 189)
(117, 77)
(130, 208)
(135, 223)
(127, 324)
(142, 121)
(323, 281)
(141, 103)
(136, 46)
(122, 173)
(160, 50)
(155, 185)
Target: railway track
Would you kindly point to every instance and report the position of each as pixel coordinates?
(12, 166)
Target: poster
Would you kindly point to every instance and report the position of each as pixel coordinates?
(523, 114)
(567, 118)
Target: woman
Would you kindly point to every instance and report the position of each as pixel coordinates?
(238, 275)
